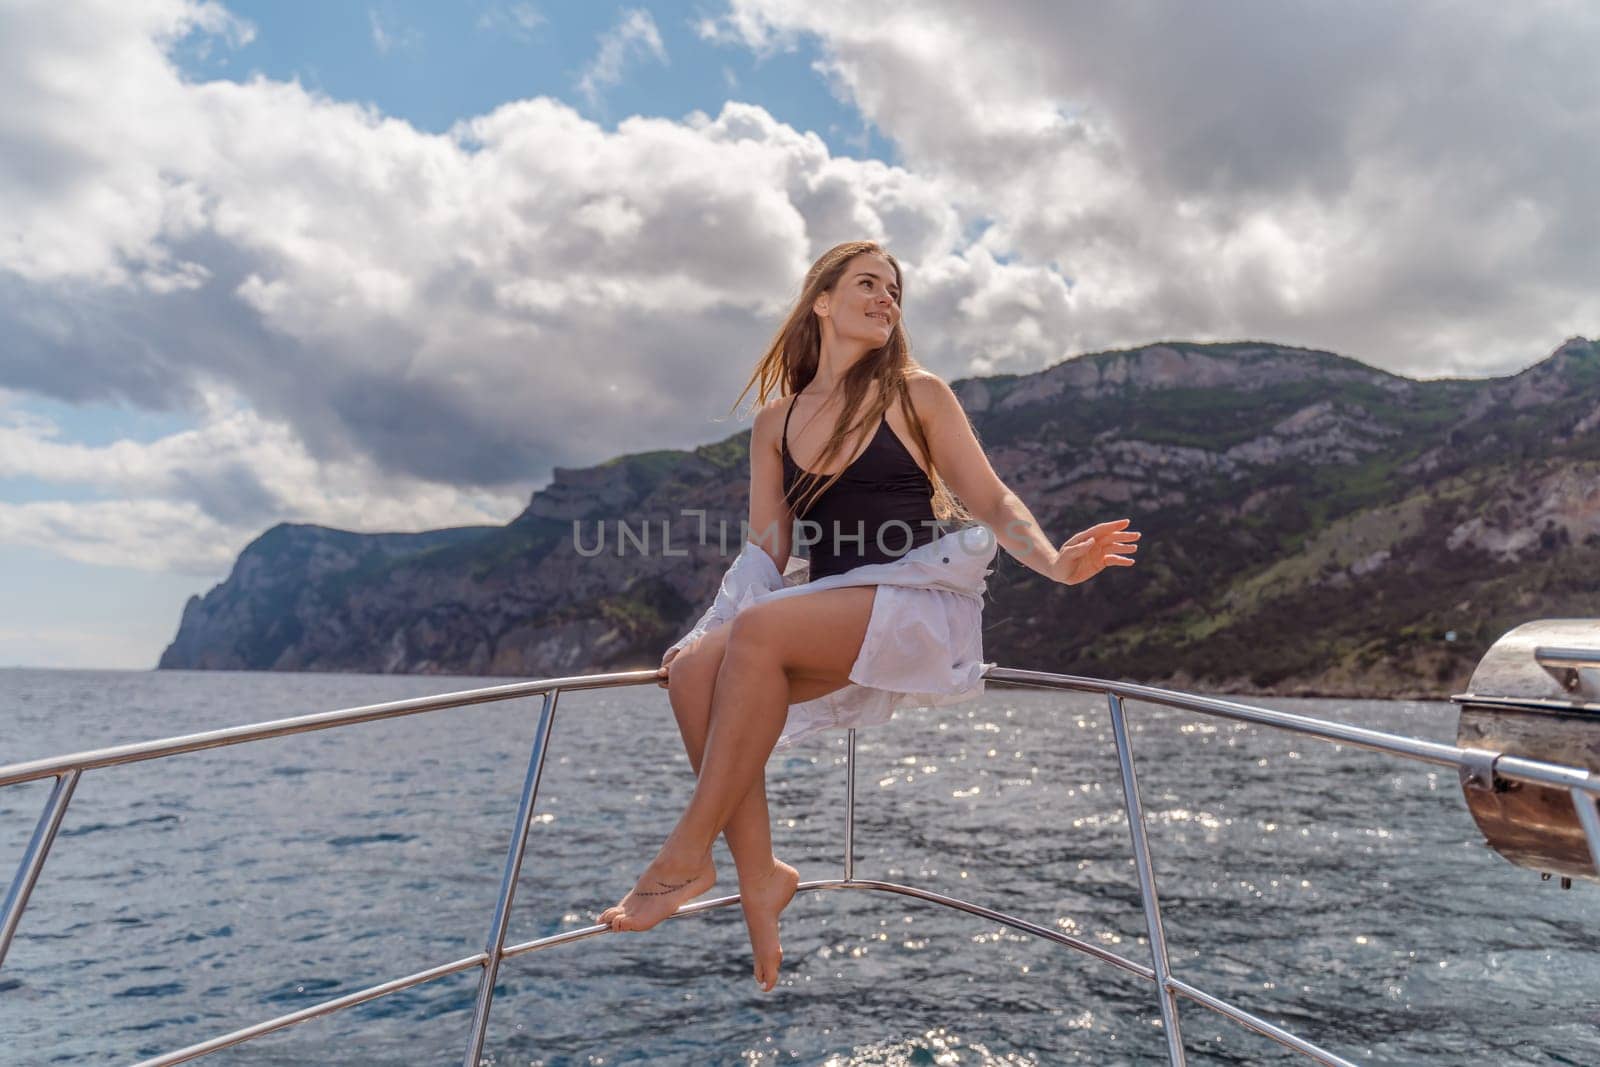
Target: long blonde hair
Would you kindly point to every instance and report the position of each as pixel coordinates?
(791, 363)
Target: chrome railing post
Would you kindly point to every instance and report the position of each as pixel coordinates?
(1589, 819)
(494, 945)
(44, 835)
(1147, 884)
(850, 808)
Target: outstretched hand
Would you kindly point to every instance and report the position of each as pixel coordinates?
(1086, 554)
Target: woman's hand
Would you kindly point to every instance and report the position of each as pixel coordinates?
(664, 672)
(1086, 554)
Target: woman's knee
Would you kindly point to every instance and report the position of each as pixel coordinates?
(753, 632)
(693, 670)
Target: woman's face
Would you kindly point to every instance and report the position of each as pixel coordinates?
(864, 304)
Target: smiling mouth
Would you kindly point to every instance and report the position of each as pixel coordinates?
(879, 316)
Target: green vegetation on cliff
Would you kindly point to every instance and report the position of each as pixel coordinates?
(1313, 525)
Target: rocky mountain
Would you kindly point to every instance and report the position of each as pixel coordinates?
(1312, 525)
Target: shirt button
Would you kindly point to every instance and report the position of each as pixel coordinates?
(947, 559)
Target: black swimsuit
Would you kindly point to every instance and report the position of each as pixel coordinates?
(880, 508)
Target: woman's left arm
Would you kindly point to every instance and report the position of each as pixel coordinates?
(967, 471)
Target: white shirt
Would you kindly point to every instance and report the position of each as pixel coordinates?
(924, 642)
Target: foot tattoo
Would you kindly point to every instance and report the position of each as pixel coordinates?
(643, 908)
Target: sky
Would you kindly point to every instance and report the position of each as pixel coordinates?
(385, 266)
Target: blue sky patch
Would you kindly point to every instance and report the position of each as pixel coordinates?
(435, 64)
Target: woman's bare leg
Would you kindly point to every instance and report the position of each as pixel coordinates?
(766, 884)
(692, 681)
(749, 830)
(812, 640)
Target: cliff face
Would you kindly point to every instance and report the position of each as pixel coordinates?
(1312, 525)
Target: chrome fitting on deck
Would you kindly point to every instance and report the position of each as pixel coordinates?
(1536, 695)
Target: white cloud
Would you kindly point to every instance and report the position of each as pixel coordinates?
(386, 38)
(633, 37)
(519, 20)
(163, 535)
(378, 327)
(440, 304)
(1406, 183)
(188, 502)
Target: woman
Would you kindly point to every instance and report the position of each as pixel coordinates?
(889, 611)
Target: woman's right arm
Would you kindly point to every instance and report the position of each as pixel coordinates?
(771, 525)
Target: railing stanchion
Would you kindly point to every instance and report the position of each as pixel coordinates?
(44, 835)
(1589, 819)
(494, 945)
(1147, 884)
(850, 808)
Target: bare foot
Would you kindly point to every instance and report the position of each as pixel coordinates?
(659, 892)
(763, 900)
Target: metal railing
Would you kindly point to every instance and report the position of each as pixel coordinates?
(1482, 767)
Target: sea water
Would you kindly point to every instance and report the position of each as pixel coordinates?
(1340, 893)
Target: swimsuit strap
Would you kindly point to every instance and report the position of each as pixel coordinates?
(786, 415)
